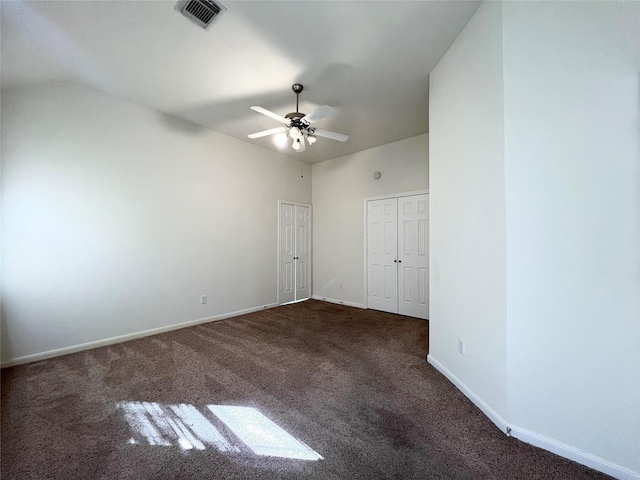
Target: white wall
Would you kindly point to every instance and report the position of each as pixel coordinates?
(339, 189)
(563, 189)
(573, 221)
(468, 260)
(116, 218)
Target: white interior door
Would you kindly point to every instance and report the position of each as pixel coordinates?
(303, 252)
(382, 271)
(398, 255)
(287, 253)
(294, 254)
(413, 256)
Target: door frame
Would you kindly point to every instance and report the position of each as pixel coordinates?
(365, 239)
(295, 204)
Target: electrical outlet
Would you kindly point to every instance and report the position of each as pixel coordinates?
(203, 299)
(460, 346)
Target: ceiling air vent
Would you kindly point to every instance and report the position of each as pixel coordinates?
(202, 12)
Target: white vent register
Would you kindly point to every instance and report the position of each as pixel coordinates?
(201, 12)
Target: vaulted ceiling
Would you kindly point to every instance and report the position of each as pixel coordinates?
(370, 60)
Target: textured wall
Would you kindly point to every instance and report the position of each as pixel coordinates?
(535, 162)
(339, 189)
(116, 218)
(468, 258)
(573, 223)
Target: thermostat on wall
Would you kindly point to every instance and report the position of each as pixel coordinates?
(377, 175)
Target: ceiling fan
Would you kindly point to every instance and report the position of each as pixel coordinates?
(297, 126)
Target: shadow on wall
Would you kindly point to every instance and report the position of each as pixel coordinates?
(181, 125)
(215, 115)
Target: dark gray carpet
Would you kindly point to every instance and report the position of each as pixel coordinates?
(351, 384)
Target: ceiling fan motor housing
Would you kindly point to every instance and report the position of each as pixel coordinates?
(296, 121)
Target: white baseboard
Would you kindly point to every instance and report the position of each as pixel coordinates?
(575, 454)
(477, 401)
(130, 336)
(540, 441)
(339, 302)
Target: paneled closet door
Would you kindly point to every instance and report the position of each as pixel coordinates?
(382, 271)
(303, 252)
(413, 256)
(294, 255)
(398, 255)
(286, 265)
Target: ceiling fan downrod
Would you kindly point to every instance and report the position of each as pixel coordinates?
(297, 88)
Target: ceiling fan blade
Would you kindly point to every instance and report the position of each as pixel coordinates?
(341, 137)
(264, 133)
(266, 112)
(317, 114)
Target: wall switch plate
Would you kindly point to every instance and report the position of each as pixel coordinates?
(460, 346)
(203, 299)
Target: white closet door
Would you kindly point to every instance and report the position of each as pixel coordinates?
(303, 252)
(413, 256)
(381, 255)
(287, 252)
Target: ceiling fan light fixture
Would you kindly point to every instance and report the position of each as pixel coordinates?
(297, 125)
(281, 140)
(295, 132)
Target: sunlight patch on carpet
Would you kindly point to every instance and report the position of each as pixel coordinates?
(261, 435)
(187, 427)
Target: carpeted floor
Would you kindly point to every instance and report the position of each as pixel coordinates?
(350, 386)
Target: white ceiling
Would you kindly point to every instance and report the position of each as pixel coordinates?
(370, 60)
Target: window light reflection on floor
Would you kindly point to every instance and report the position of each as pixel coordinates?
(185, 426)
(261, 435)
